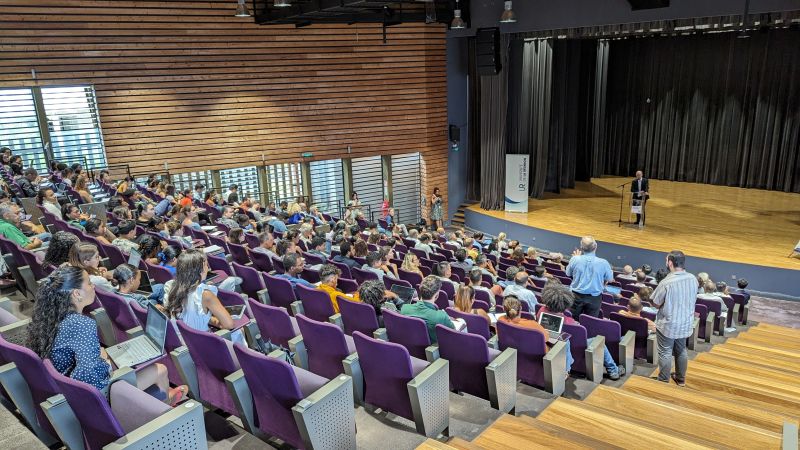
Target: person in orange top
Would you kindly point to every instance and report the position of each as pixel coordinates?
(513, 309)
(635, 310)
(329, 277)
(186, 200)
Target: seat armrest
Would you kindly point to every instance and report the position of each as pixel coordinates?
(183, 361)
(20, 394)
(243, 398)
(627, 346)
(183, 424)
(263, 296)
(125, 374)
(104, 326)
(381, 334)
(720, 322)
(297, 308)
(691, 344)
(63, 420)
(710, 319)
(555, 368)
(326, 418)
(493, 343)
(134, 332)
(501, 378)
(430, 399)
(432, 352)
(352, 368)
(651, 348)
(336, 319)
(6, 304)
(298, 347)
(13, 329)
(593, 356)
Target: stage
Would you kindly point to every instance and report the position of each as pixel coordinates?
(725, 231)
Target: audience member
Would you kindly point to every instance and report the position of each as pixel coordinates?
(126, 233)
(97, 229)
(9, 228)
(461, 260)
(710, 293)
(424, 245)
(58, 250)
(411, 264)
(513, 309)
(72, 215)
(128, 279)
(345, 255)
(294, 263)
(376, 265)
(520, 290)
(329, 278)
(635, 310)
(465, 297)
(47, 198)
(86, 257)
(266, 244)
(589, 275)
(426, 309)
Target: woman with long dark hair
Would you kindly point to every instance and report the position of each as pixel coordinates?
(59, 331)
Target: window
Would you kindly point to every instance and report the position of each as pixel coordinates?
(368, 182)
(187, 180)
(284, 182)
(327, 185)
(406, 187)
(72, 130)
(244, 177)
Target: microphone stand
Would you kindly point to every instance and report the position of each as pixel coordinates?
(622, 201)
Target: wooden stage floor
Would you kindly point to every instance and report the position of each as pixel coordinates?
(748, 226)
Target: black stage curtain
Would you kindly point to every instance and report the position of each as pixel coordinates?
(474, 105)
(709, 108)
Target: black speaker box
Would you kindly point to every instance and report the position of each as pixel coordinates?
(487, 51)
(455, 133)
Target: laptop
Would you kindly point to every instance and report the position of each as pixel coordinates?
(134, 258)
(613, 290)
(94, 210)
(213, 250)
(235, 311)
(552, 323)
(142, 348)
(405, 293)
(30, 208)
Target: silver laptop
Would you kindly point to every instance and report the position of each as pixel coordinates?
(552, 323)
(405, 293)
(30, 208)
(94, 210)
(134, 258)
(142, 348)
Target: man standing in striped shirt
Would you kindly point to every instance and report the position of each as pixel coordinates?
(675, 298)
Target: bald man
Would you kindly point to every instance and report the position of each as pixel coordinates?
(589, 276)
(639, 188)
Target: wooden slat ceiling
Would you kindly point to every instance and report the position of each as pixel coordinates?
(185, 82)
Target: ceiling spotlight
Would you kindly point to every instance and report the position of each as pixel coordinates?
(282, 3)
(241, 9)
(508, 14)
(458, 22)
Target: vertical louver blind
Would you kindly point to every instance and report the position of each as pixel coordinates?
(19, 126)
(368, 181)
(74, 125)
(406, 187)
(327, 185)
(285, 182)
(244, 177)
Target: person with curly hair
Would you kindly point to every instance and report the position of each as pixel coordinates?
(58, 251)
(60, 332)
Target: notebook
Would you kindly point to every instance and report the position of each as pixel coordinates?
(552, 323)
(142, 348)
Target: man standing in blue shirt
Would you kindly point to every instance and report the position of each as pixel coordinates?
(589, 275)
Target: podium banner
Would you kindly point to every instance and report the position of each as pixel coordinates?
(517, 167)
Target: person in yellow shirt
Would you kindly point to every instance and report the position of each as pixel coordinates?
(329, 277)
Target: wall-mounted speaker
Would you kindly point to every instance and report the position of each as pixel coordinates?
(487, 51)
(455, 133)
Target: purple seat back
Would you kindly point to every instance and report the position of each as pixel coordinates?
(251, 280)
(98, 424)
(220, 242)
(443, 300)
(361, 275)
(120, 314)
(483, 296)
(159, 274)
(475, 323)
(410, 332)
(468, 356)
(388, 282)
(326, 346)
(480, 304)
(449, 289)
(274, 323)
(387, 370)
(312, 259)
(638, 326)
(357, 317)
(29, 259)
(412, 277)
(577, 346)
(115, 255)
(239, 253)
(531, 349)
(348, 286)
(713, 306)
(219, 263)
(261, 261)
(316, 304)
(40, 383)
(252, 240)
(344, 268)
(702, 311)
(275, 392)
(312, 276)
(609, 329)
(608, 308)
(213, 362)
(280, 291)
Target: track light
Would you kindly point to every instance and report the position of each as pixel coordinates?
(241, 9)
(508, 15)
(282, 3)
(458, 22)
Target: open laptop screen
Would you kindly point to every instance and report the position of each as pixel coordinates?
(551, 322)
(156, 327)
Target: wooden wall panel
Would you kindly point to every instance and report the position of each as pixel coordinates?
(185, 82)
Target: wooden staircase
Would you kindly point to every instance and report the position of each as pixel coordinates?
(744, 393)
(458, 219)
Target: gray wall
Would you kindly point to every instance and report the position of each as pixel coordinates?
(457, 114)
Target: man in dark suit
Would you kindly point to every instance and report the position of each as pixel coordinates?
(639, 188)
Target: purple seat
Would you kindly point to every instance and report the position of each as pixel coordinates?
(621, 348)
(115, 255)
(261, 261)
(437, 258)
(316, 304)
(744, 309)
(410, 332)
(716, 308)
(348, 286)
(531, 350)
(252, 282)
(643, 348)
(218, 263)
(280, 291)
(458, 271)
(361, 275)
(480, 304)
(706, 326)
(470, 359)
(276, 390)
(120, 314)
(344, 268)
(483, 296)
(608, 308)
(252, 240)
(443, 300)
(312, 276)
(239, 253)
(213, 362)
(357, 316)
(449, 289)
(391, 383)
(312, 259)
(420, 253)
(29, 259)
(412, 277)
(388, 282)
(327, 346)
(158, 274)
(584, 363)
(220, 242)
(274, 323)
(475, 323)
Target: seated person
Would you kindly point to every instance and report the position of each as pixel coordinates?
(72, 215)
(741, 283)
(376, 265)
(710, 293)
(126, 233)
(128, 279)
(86, 257)
(236, 236)
(426, 308)
(266, 244)
(474, 279)
(168, 258)
(59, 331)
(294, 264)
(58, 250)
(47, 198)
(627, 274)
(96, 228)
(461, 260)
(411, 264)
(148, 219)
(519, 289)
(345, 255)
(9, 228)
(486, 267)
(635, 310)
(317, 247)
(329, 278)
(424, 245)
(360, 249)
(465, 296)
(539, 274)
(513, 310)
(444, 272)
(227, 218)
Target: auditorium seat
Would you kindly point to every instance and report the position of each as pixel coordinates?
(123, 320)
(279, 291)
(239, 253)
(608, 308)
(348, 286)
(357, 316)
(645, 343)
(411, 333)
(536, 365)
(361, 275)
(314, 304)
(261, 261)
(621, 347)
(475, 324)
(252, 282)
(587, 357)
(274, 323)
(716, 308)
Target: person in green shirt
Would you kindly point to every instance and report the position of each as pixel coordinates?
(426, 309)
(72, 215)
(9, 227)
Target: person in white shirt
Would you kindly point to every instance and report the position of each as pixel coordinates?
(424, 245)
(47, 198)
(519, 289)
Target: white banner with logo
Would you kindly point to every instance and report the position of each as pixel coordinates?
(517, 167)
